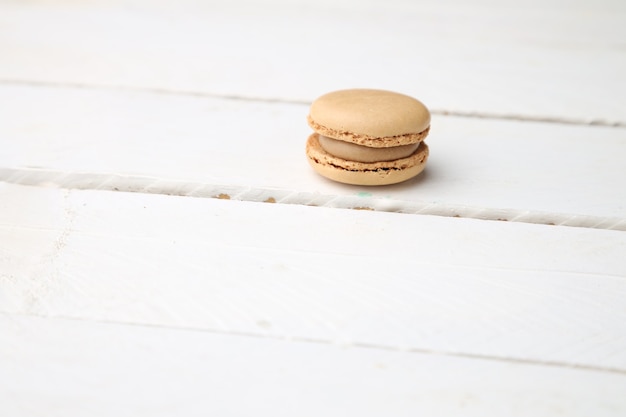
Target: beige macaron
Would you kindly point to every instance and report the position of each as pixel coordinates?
(368, 137)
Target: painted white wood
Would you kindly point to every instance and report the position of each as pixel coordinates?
(160, 305)
(56, 367)
(512, 170)
(396, 281)
(543, 59)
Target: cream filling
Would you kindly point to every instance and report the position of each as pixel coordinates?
(359, 153)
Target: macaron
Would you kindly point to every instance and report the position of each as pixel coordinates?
(368, 137)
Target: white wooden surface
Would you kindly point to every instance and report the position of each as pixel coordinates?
(547, 59)
(171, 299)
(513, 170)
(105, 369)
(253, 268)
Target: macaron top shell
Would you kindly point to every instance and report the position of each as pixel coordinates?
(355, 114)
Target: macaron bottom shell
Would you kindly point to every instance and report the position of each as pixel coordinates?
(361, 173)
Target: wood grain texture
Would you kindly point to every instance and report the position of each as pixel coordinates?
(463, 287)
(535, 59)
(77, 368)
(164, 301)
(508, 170)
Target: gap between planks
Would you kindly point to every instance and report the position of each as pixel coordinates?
(357, 345)
(440, 112)
(151, 185)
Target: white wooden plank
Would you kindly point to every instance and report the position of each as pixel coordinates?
(544, 59)
(533, 172)
(457, 286)
(56, 367)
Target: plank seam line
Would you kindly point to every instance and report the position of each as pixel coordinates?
(345, 345)
(150, 185)
(201, 94)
